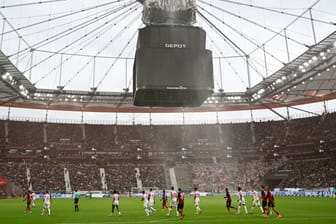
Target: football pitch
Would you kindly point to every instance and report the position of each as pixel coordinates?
(294, 210)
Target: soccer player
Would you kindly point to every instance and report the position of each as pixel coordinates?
(115, 203)
(46, 203)
(144, 198)
(151, 198)
(271, 203)
(197, 200)
(33, 197)
(28, 199)
(264, 201)
(255, 202)
(76, 196)
(228, 201)
(180, 203)
(164, 200)
(241, 201)
(173, 202)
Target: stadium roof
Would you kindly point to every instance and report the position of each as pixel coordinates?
(81, 58)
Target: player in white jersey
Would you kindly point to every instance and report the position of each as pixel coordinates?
(197, 201)
(33, 197)
(173, 202)
(145, 203)
(241, 201)
(151, 197)
(115, 203)
(255, 202)
(46, 203)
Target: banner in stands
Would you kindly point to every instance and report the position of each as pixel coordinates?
(3, 181)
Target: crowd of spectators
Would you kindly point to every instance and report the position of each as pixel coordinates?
(154, 137)
(152, 176)
(311, 173)
(46, 176)
(124, 145)
(84, 176)
(15, 173)
(232, 173)
(50, 176)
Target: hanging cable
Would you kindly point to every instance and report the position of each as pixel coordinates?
(288, 25)
(277, 11)
(115, 60)
(243, 35)
(38, 32)
(103, 48)
(229, 63)
(86, 43)
(231, 43)
(31, 3)
(64, 16)
(254, 23)
(65, 33)
(63, 48)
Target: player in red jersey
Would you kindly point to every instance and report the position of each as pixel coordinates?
(228, 201)
(180, 203)
(164, 200)
(28, 199)
(271, 203)
(264, 201)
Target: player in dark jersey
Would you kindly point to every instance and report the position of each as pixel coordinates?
(264, 201)
(271, 203)
(228, 201)
(180, 202)
(164, 200)
(28, 199)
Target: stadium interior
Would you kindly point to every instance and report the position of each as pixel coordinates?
(210, 65)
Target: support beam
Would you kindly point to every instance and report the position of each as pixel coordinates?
(306, 111)
(271, 109)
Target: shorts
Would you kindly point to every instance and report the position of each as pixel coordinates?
(271, 204)
(76, 200)
(264, 204)
(242, 202)
(180, 206)
(255, 203)
(197, 202)
(173, 202)
(228, 204)
(115, 203)
(46, 205)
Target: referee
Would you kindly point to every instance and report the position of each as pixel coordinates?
(76, 196)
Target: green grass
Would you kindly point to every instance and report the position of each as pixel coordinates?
(294, 210)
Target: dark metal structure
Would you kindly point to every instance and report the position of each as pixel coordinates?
(310, 77)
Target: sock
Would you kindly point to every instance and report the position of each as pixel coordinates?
(146, 211)
(245, 208)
